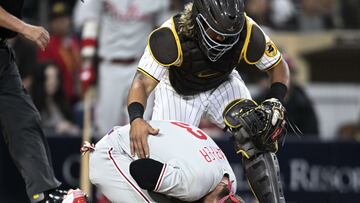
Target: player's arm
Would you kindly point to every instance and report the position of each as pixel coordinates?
(147, 77)
(273, 63)
(36, 34)
(86, 18)
(88, 52)
(262, 52)
(141, 87)
(280, 78)
(139, 91)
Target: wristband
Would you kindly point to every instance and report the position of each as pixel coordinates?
(278, 90)
(136, 110)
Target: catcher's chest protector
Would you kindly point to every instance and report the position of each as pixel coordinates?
(196, 73)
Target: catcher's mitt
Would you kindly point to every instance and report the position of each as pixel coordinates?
(263, 123)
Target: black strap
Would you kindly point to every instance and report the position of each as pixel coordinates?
(136, 110)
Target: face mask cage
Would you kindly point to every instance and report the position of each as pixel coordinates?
(215, 49)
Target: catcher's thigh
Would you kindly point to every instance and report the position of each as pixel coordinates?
(233, 88)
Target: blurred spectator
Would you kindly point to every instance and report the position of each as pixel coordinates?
(277, 14)
(283, 14)
(349, 131)
(299, 107)
(312, 17)
(330, 13)
(63, 49)
(25, 59)
(31, 11)
(176, 5)
(259, 11)
(48, 95)
(302, 15)
(350, 11)
(116, 33)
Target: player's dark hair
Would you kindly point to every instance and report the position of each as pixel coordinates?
(224, 191)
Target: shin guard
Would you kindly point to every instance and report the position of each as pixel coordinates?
(263, 174)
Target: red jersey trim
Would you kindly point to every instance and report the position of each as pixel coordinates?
(161, 178)
(88, 42)
(127, 179)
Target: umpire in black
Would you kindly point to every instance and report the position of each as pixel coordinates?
(19, 119)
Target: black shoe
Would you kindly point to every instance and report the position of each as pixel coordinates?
(54, 196)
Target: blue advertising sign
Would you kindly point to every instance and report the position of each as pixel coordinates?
(311, 171)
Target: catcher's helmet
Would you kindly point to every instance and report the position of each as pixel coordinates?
(223, 17)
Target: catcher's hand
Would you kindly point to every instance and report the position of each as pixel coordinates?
(262, 123)
(139, 131)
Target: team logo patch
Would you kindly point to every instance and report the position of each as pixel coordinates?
(271, 49)
(207, 74)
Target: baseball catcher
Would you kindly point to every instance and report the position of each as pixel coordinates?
(191, 64)
(255, 130)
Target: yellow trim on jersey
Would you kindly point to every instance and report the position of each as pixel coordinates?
(247, 38)
(243, 55)
(275, 64)
(147, 74)
(178, 60)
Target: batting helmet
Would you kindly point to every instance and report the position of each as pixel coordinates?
(224, 18)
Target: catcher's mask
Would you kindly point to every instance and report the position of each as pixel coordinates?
(219, 23)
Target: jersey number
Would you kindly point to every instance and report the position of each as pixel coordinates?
(198, 133)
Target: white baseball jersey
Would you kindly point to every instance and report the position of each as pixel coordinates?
(124, 24)
(123, 29)
(189, 109)
(193, 164)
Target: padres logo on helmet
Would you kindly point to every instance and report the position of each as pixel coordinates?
(271, 49)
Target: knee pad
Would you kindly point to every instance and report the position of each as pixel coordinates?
(263, 174)
(146, 172)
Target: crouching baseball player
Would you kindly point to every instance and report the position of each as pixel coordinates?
(184, 165)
